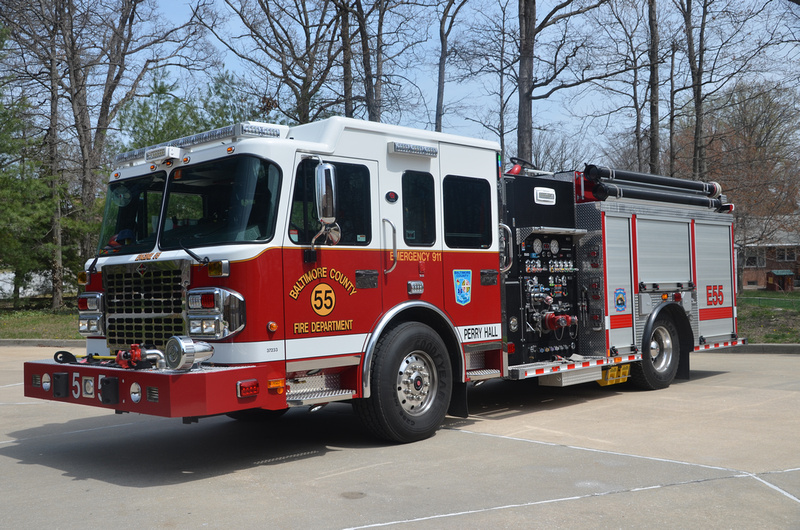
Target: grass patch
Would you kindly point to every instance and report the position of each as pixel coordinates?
(39, 324)
(771, 324)
(764, 317)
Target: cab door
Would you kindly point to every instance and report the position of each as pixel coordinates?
(331, 293)
(470, 282)
(410, 231)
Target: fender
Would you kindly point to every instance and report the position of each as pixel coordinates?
(676, 312)
(444, 327)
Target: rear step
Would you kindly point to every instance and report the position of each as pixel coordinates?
(482, 374)
(567, 366)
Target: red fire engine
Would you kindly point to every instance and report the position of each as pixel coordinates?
(258, 267)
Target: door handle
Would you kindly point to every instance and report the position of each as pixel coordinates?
(394, 246)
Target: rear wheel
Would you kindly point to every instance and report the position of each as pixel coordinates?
(660, 356)
(410, 385)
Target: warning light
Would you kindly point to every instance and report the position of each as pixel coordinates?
(247, 388)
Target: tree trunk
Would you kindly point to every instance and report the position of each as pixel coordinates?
(655, 139)
(527, 34)
(347, 60)
(57, 263)
(672, 153)
(366, 58)
(443, 33)
(695, 53)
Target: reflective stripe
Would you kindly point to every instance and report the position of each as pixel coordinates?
(325, 346)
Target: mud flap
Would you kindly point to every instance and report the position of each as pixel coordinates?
(683, 366)
(458, 401)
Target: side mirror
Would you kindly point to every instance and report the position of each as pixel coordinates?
(326, 193)
(325, 176)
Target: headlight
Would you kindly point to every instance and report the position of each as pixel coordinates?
(90, 302)
(90, 310)
(214, 313)
(90, 325)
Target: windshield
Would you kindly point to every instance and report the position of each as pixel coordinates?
(131, 215)
(225, 201)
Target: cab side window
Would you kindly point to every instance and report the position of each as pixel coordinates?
(467, 212)
(419, 209)
(352, 208)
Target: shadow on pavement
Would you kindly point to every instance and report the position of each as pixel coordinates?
(141, 451)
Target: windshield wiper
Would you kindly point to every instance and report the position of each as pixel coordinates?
(198, 259)
(92, 267)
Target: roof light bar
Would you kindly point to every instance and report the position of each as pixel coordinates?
(246, 129)
(165, 152)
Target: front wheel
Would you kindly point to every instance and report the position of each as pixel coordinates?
(410, 385)
(660, 357)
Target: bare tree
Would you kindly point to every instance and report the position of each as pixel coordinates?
(487, 56)
(291, 47)
(390, 33)
(754, 154)
(83, 61)
(723, 40)
(560, 63)
(447, 19)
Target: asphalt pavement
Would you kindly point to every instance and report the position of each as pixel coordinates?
(721, 450)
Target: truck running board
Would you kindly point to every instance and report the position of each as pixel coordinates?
(566, 367)
(298, 399)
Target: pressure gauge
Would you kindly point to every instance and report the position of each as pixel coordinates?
(537, 246)
(554, 246)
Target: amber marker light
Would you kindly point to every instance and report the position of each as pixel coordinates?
(272, 327)
(219, 269)
(276, 386)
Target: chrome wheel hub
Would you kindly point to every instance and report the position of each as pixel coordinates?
(416, 383)
(661, 350)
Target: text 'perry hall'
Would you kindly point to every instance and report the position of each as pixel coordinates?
(478, 332)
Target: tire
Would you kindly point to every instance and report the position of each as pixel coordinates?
(660, 356)
(410, 385)
(254, 415)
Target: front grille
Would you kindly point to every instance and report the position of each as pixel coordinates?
(145, 302)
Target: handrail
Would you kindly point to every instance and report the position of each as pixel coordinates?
(394, 246)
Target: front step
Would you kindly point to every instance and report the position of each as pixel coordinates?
(576, 363)
(315, 389)
(298, 399)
